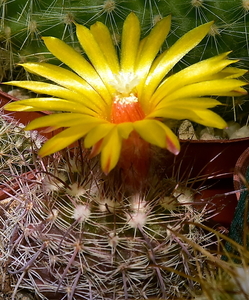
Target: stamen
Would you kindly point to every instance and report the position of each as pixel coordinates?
(125, 100)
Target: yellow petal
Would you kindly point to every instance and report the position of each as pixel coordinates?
(124, 129)
(77, 63)
(150, 47)
(52, 104)
(156, 133)
(189, 103)
(172, 141)
(64, 139)
(202, 116)
(111, 149)
(62, 120)
(151, 131)
(57, 91)
(140, 49)
(193, 109)
(103, 37)
(213, 87)
(97, 133)
(195, 73)
(237, 92)
(173, 112)
(46, 88)
(95, 54)
(96, 149)
(130, 43)
(210, 119)
(172, 56)
(231, 72)
(66, 79)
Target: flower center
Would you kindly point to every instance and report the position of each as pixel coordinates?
(124, 83)
(125, 106)
(126, 112)
(125, 100)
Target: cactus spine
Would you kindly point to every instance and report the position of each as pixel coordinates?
(73, 234)
(15, 147)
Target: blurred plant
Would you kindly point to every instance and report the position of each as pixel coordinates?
(230, 279)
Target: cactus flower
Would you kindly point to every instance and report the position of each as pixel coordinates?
(110, 97)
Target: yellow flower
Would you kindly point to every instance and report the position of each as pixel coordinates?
(109, 97)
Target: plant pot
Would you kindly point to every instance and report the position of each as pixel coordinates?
(210, 164)
(207, 159)
(219, 201)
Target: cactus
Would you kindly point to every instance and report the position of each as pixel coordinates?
(23, 24)
(16, 155)
(74, 234)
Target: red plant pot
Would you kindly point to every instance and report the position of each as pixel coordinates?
(211, 163)
(219, 201)
(214, 158)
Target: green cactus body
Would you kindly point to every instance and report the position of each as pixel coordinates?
(23, 25)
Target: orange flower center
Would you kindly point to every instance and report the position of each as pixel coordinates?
(126, 109)
(125, 106)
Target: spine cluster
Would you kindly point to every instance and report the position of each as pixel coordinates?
(71, 234)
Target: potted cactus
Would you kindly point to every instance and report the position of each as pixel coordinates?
(103, 221)
(22, 30)
(121, 82)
